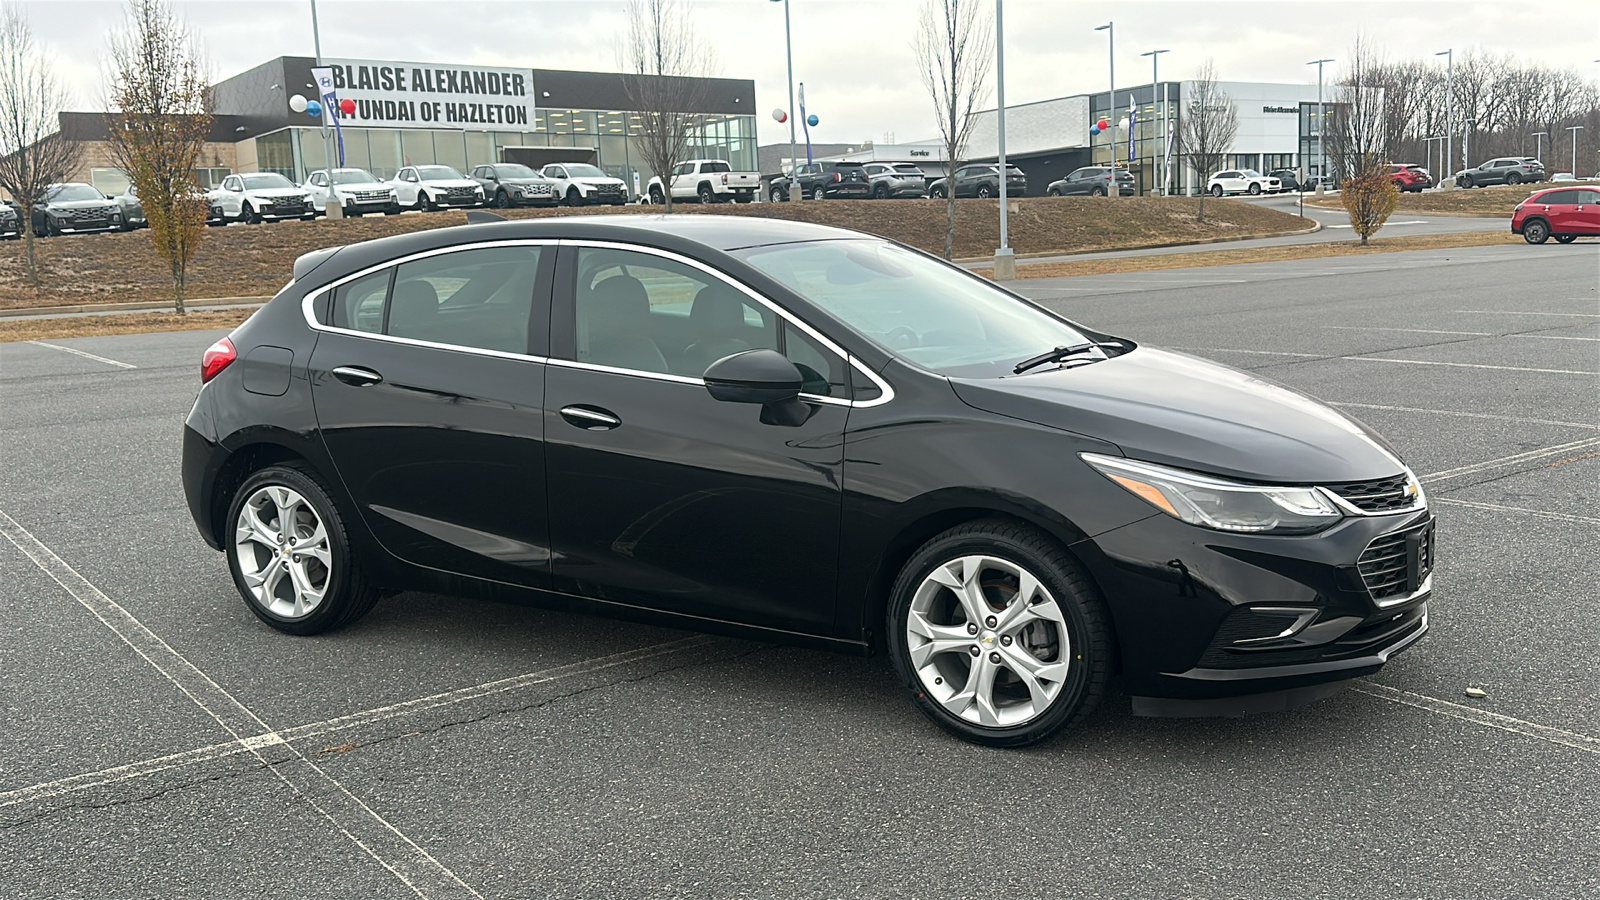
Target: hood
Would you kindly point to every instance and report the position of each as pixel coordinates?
(275, 193)
(83, 204)
(596, 180)
(526, 181)
(1183, 411)
(449, 183)
(363, 188)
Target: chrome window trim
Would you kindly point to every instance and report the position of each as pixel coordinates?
(308, 312)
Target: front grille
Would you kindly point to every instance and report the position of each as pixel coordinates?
(87, 216)
(369, 196)
(289, 206)
(461, 193)
(1382, 495)
(608, 188)
(1397, 564)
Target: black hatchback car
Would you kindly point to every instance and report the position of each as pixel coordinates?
(1092, 181)
(798, 433)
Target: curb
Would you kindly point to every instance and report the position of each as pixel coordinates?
(1315, 227)
(124, 306)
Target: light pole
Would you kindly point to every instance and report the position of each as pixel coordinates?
(788, 47)
(1322, 127)
(332, 208)
(1575, 129)
(1005, 263)
(1155, 79)
(1111, 107)
(1449, 124)
(1538, 143)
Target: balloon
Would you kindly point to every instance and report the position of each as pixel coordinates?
(313, 108)
(1095, 129)
(780, 116)
(1103, 125)
(297, 103)
(812, 120)
(347, 106)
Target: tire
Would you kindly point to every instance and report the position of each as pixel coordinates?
(780, 196)
(1255, 188)
(248, 215)
(1097, 192)
(422, 204)
(1566, 238)
(1513, 178)
(936, 193)
(1536, 231)
(502, 200)
(573, 198)
(1069, 627)
(984, 193)
(880, 192)
(1053, 192)
(706, 195)
(329, 591)
(1466, 181)
(657, 197)
(1216, 190)
(818, 193)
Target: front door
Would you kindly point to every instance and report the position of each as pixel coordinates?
(428, 381)
(661, 496)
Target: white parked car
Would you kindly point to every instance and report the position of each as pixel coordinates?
(1242, 181)
(707, 180)
(435, 187)
(580, 184)
(358, 191)
(258, 196)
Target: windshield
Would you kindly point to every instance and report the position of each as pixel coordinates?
(917, 308)
(1251, 173)
(265, 181)
(584, 170)
(515, 170)
(352, 176)
(71, 192)
(437, 173)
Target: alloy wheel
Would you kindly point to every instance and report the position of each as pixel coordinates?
(283, 552)
(987, 641)
(1536, 232)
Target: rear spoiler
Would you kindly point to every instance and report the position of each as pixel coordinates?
(308, 262)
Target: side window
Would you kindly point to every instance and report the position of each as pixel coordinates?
(822, 371)
(358, 305)
(1561, 198)
(1589, 197)
(472, 298)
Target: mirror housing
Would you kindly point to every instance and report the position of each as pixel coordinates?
(754, 376)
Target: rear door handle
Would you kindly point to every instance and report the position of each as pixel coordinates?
(356, 375)
(590, 418)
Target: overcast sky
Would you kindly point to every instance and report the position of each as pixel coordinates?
(854, 56)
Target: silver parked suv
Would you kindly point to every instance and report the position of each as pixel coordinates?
(896, 180)
(1505, 170)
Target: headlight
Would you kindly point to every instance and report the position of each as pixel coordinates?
(1212, 502)
(265, 202)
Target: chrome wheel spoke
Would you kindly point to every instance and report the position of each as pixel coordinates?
(975, 700)
(1038, 676)
(251, 528)
(936, 639)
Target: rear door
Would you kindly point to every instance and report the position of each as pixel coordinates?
(428, 381)
(1586, 214)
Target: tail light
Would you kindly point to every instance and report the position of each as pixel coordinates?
(724, 177)
(836, 176)
(216, 358)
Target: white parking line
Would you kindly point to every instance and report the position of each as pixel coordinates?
(1555, 337)
(1469, 415)
(144, 768)
(85, 354)
(1513, 312)
(378, 838)
(1385, 359)
(1481, 717)
(1539, 513)
(1412, 330)
(1513, 459)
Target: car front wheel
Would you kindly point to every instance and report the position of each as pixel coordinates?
(999, 634)
(1255, 188)
(1536, 232)
(819, 194)
(290, 555)
(502, 200)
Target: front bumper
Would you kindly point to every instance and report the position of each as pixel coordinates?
(847, 189)
(1221, 623)
(10, 228)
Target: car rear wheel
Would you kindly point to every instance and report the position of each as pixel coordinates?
(880, 192)
(707, 196)
(936, 193)
(1216, 190)
(290, 555)
(1566, 238)
(999, 634)
(1098, 192)
(1536, 232)
(1513, 178)
(984, 193)
(656, 196)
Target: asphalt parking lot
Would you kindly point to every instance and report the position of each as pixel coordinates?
(159, 742)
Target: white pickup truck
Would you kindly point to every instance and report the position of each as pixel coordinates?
(708, 181)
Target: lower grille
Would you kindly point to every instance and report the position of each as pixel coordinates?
(461, 194)
(1397, 564)
(1381, 495)
(369, 196)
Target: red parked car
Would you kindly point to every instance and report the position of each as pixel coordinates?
(1566, 213)
(1410, 177)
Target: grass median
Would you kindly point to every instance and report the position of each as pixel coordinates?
(1491, 202)
(126, 323)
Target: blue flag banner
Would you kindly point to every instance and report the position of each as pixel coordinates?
(330, 106)
(1131, 115)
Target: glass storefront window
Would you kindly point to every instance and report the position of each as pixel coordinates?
(356, 152)
(275, 153)
(416, 148)
(384, 151)
(480, 148)
(450, 149)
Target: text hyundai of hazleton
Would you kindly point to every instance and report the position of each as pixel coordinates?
(790, 432)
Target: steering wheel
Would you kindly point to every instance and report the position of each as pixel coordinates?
(902, 337)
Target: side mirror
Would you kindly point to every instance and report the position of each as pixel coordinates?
(765, 377)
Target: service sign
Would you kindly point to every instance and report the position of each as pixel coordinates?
(422, 95)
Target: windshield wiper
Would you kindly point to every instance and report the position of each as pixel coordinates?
(1059, 354)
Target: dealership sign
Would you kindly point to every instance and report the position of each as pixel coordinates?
(414, 95)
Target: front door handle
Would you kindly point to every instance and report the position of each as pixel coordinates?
(590, 418)
(357, 376)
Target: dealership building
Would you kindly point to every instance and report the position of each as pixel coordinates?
(1279, 128)
(418, 113)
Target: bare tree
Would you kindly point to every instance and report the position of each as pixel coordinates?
(955, 51)
(34, 152)
(665, 64)
(160, 116)
(1358, 139)
(1210, 121)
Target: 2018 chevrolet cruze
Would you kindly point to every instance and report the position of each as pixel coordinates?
(798, 433)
